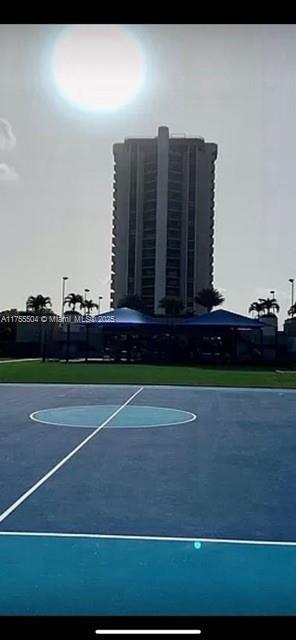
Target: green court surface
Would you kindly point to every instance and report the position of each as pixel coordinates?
(37, 371)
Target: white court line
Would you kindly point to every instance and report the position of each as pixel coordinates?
(148, 632)
(38, 484)
(18, 360)
(33, 415)
(166, 387)
(109, 536)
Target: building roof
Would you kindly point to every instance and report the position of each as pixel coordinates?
(221, 318)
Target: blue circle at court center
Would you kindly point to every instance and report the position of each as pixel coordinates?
(93, 416)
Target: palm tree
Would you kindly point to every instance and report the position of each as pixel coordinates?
(38, 304)
(72, 300)
(89, 305)
(10, 312)
(132, 301)
(270, 306)
(292, 310)
(209, 298)
(265, 307)
(257, 308)
(172, 305)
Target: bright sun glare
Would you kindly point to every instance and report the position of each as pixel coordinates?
(98, 67)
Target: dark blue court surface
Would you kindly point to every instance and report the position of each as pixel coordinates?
(124, 500)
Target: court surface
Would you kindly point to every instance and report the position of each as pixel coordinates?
(130, 500)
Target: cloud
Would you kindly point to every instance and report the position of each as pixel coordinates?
(7, 173)
(7, 137)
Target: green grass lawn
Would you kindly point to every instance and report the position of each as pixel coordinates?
(145, 374)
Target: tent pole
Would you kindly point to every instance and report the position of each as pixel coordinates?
(261, 344)
(68, 342)
(86, 341)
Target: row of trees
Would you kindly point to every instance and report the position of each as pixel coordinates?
(268, 307)
(42, 304)
(173, 306)
(73, 299)
(207, 298)
(39, 304)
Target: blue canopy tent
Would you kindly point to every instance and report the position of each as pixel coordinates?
(226, 332)
(128, 333)
(120, 331)
(221, 318)
(125, 318)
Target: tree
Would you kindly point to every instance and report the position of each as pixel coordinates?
(265, 306)
(270, 306)
(10, 312)
(7, 326)
(292, 310)
(257, 308)
(72, 300)
(38, 304)
(131, 301)
(172, 305)
(209, 298)
(89, 305)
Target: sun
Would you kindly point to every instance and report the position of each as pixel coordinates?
(98, 67)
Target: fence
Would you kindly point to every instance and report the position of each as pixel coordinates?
(148, 344)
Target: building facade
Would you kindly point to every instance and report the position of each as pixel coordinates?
(163, 219)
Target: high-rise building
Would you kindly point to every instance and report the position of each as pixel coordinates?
(163, 218)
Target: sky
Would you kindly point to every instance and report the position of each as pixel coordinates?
(234, 85)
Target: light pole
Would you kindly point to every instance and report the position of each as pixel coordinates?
(64, 278)
(99, 305)
(292, 292)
